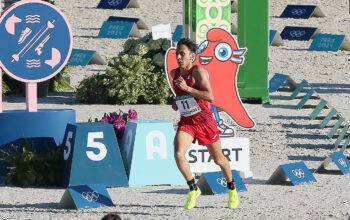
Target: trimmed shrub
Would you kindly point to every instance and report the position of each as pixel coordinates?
(30, 168)
(148, 48)
(130, 79)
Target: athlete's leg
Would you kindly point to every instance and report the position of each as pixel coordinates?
(182, 142)
(220, 159)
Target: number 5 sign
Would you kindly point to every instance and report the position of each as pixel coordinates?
(91, 155)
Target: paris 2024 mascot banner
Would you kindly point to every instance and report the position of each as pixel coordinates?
(220, 55)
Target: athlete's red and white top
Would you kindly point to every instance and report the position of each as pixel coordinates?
(196, 116)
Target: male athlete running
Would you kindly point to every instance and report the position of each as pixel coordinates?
(193, 97)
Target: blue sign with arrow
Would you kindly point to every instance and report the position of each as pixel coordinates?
(36, 41)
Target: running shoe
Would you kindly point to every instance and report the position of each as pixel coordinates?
(191, 198)
(233, 200)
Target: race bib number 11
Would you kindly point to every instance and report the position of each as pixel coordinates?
(187, 105)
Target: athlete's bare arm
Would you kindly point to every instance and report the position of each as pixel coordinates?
(201, 78)
(173, 105)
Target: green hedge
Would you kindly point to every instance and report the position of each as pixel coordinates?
(130, 79)
(58, 83)
(148, 48)
(30, 168)
(136, 76)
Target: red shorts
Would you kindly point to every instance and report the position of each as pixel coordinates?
(205, 133)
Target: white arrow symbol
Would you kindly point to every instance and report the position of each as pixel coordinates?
(33, 41)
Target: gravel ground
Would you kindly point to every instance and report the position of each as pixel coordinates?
(282, 133)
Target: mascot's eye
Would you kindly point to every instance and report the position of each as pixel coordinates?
(223, 51)
(202, 46)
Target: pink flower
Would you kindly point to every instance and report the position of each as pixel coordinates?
(132, 114)
(119, 120)
(114, 116)
(119, 127)
(104, 119)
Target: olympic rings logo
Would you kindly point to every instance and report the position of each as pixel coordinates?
(342, 162)
(114, 2)
(298, 11)
(222, 182)
(298, 173)
(90, 196)
(298, 33)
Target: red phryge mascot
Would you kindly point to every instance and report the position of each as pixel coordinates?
(221, 57)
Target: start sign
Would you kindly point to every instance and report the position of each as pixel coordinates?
(235, 149)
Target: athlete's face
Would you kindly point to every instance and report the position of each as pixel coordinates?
(184, 56)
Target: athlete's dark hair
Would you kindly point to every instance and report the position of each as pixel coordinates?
(189, 43)
(111, 216)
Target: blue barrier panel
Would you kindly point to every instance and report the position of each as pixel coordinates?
(335, 127)
(91, 156)
(118, 29)
(327, 42)
(298, 11)
(328, 117)
(275, 38)
(148, 153)
(322, 104)
(345, 144)
(86, 196)
(44, 127)
(299, 88)
(117, 4)
(139, 23)
(298, 173)
(178, 33)
(276, 81)
(272, 35)
(340, 160)
(298, 33)
(215, 183)
(341, 135)
(80, 57)
(305, 98)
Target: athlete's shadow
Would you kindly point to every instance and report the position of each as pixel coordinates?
(11, 207)
(170, 191)
(165, 206)
(148, 206)
(255, 182)
(265, 182)
(327, 171)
